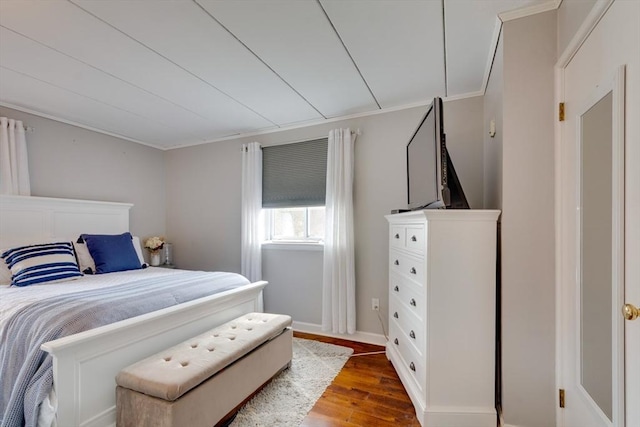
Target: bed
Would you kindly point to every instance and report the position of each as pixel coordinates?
(84, 364)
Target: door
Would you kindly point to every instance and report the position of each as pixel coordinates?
(599, 226)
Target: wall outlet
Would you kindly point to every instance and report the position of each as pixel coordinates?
(375, 304)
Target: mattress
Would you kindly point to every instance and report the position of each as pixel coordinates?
(37, 314)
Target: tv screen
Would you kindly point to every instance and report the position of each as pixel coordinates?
(432, 182)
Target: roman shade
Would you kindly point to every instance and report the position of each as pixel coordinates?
(294, 174)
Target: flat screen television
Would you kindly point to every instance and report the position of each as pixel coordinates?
(432, 182)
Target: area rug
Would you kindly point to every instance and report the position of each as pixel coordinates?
(287, 399)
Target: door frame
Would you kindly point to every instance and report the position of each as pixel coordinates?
(591, 21)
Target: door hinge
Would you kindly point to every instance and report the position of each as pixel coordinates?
(561, 112)
(561, 397)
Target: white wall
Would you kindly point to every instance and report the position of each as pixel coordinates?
(528, 279)
(463, 124)
(571, 14)
(203, 206)
(70, 162)
(492, 109)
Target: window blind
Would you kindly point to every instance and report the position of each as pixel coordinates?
(294, 174)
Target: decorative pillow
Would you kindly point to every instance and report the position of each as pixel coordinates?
(112, 252)
(44, 263)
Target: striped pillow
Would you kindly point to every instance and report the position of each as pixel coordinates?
(45, 263)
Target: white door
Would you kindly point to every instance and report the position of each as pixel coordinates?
(599, 225)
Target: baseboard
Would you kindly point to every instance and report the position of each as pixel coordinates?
(365, 337)
(460, 416)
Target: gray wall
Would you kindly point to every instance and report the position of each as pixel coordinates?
(528, 245)
(203, 210)
(70, 162)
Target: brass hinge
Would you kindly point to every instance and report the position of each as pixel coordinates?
(561, 397)
(561, 112)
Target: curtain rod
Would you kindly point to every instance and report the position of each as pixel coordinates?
(26, 128)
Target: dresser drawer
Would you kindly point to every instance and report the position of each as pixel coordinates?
(410, 294)
(397, 236)
(408, 266)
(414, 363)
(411, 326)
(415, 238)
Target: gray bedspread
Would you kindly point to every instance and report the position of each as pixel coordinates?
(26, 372)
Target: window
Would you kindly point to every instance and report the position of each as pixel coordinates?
(293, 190)
(297, 224)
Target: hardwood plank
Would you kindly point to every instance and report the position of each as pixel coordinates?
(366, 392)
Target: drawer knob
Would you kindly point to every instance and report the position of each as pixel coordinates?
(413, 239)
(395, 341)
(396, 288)
(412, 302)
(413, 270)
(412, 367)
(412, 334)
(397, 236)
(396, 262)
(395, 314)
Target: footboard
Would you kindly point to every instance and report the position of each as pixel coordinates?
(85, 364)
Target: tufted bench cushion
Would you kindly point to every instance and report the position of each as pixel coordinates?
(204, 378)
(171, 373)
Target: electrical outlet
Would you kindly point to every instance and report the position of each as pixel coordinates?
(375, 304)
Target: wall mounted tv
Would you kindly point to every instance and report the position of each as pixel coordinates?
(432, 182)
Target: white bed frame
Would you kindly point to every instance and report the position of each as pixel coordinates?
(86, 364)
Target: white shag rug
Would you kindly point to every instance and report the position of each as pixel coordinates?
(287, 399)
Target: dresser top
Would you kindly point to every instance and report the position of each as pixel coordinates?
(446, 215)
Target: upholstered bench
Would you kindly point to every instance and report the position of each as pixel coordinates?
(198, 382)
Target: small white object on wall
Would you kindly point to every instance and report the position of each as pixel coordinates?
(492, 128)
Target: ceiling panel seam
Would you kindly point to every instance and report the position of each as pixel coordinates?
(174, 63)
(104, 72)
(493, 58)
(335, 30)
(444, 50)
(258, 58)
(87, 97)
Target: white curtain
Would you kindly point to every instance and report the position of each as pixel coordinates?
(14, 166)
(252, 223)
(339, 279)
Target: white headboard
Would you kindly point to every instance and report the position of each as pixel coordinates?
(27, 219)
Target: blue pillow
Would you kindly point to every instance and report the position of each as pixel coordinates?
(46, 263)
(112, 252)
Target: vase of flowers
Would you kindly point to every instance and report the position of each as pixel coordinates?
(154, 246)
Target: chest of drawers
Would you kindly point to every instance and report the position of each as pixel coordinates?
(442, 277)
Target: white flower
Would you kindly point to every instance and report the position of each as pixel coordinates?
(154, 243)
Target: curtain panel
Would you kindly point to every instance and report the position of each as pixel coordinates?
(339, 280)
(252, 222)
(14, 165)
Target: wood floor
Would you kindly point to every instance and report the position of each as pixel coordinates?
(366, 392)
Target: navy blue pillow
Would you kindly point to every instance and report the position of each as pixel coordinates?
(112, 252)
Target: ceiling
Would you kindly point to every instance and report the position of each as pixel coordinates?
(170, 73)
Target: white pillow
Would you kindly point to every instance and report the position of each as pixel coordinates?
(138, 248)
(85, 261)
(5, 274)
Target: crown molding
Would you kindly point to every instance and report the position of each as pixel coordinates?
(76, 124)
(590, 22)
(529, 10)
